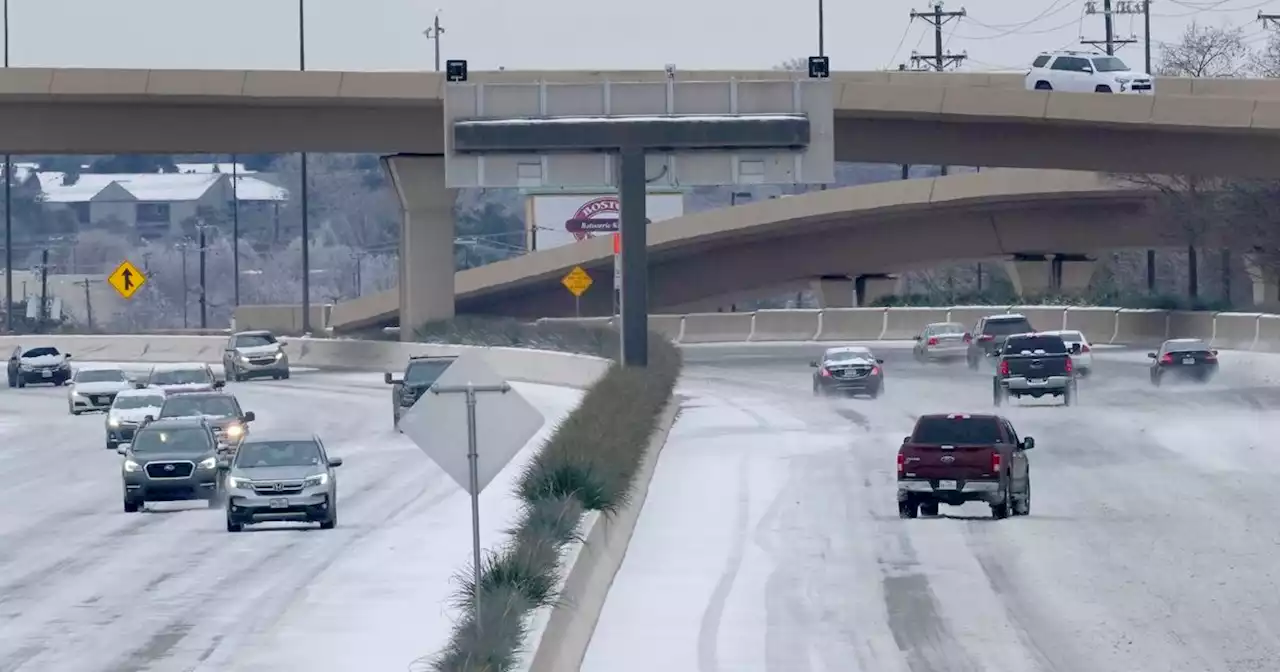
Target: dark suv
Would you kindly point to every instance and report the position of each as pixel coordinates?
(957, 458)
(418, 375)
(171, 460)
(988, 335)
(222, 411)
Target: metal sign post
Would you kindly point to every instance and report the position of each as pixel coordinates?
(473, 465)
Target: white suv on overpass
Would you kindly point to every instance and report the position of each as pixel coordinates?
(1084, 72)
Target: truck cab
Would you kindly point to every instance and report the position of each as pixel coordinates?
(959, 457)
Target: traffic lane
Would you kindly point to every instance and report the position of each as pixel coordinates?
(1131, 519)
(170, 584)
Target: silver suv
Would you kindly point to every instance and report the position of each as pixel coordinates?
(255, 354)
(287, 478)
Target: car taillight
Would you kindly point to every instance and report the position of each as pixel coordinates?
(933, 340)
(1069, 365)
(1084, 348)
(995, 462)
(968, 338)
(875, 370)
(1167, 359)
(825, 373)
(1004, 367)
(902, 463)
(986, 337)
(1209, 357)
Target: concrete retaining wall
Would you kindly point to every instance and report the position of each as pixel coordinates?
(517, 364)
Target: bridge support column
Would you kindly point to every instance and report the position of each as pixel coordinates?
(871, 288)
(1266, 285)
(426, 240)
(833, 291)
(1039, 274)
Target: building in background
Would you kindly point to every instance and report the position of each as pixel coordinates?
(556, 219)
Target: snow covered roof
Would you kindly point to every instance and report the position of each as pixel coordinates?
(254, 189)
(153, 187)
(227, 168)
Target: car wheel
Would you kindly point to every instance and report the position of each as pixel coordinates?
(908, 509)
(234, 525)
(285, 375)
(1069, 396)
(877, 391)
(1043, 86)
(997, 394)
(13, 382)
(929, 509)
(1155, 380)
(1001, 511)
(330, 522)
(131, 505)
(1102, 88)
(1022, 505)
(112, 445)
(22, 382)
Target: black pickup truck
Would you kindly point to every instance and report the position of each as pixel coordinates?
(418, 375)
(1034, 365)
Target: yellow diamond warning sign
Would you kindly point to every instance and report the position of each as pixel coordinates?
(126, 279)
(577, 281)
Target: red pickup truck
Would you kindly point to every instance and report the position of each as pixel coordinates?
(956, 458)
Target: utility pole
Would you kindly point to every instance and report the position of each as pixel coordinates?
(8, 207)
(433, 33)
(306, 228)
(44, 286)
(186, 289)
(88, 302)
(1108, 13)
(941, 59)
(204, 303)
(235, 228)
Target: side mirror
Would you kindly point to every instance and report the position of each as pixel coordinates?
(1151, 355)
(123, 448)
(1214, 353)
(219, 384)
(282, 342)
(140, 385)
(813, 364)
(224, 466)
(918, 337)
(149, 418)
(906, 439)
(386, 377)
(879, 361)
(335, 461)
(67, 354)
(1028, 443)
(249, 416)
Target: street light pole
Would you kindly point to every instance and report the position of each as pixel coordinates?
(8, 207)
(822, 51)
(306, 235)
(235, 227)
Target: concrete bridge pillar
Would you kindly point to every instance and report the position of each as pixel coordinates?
(1039, 274)
(426, 239)
(833, 291)
(1266, 284)
(871, 288)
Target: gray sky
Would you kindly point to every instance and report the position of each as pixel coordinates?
(576, 34)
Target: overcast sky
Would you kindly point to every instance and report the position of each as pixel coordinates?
(567, 34)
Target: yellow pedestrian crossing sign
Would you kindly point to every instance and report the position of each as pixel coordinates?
(126, 279)
(577, 281)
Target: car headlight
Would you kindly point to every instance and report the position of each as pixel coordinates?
(113, 422)
(279, 355)
(26, 367)
(234, 431)
(209, 463)
(131, 466)
(313, 481)
(240, 483)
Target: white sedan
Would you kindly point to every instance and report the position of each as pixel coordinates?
(1080, 348)
(95, 389)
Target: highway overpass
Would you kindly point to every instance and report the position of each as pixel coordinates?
(867, 230)
(1222, 126)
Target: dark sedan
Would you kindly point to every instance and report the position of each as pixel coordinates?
(1185, 359)
(849, 371)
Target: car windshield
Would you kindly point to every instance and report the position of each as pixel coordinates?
(1109, 64)
(1006, 326)
(139, 401)
(176, 440)
(254, 340)
(847, 355)
(956, 430)
(949, 328)
(101, 376)
(41, 352)
(422, 372)
(180, 377)
(185, 405)
(278, 454)
(1186, 346)
(1049, 345)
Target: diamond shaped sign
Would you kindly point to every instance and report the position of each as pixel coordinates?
(437, 422)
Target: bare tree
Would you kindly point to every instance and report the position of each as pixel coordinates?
(1206, 51)
(1190, 206)
(793, 65)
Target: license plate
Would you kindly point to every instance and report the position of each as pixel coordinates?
(280, 503)
(1037, 381)
(946, 485)
(1188, 360)
(47, 374)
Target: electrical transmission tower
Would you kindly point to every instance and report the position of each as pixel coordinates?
(1110, 42)
(940, 60)
(1269, 20)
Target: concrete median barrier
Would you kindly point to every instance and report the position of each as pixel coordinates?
(1144, 327)
(786, 325)
(1268, 334)
(906, 323)
(1186, 324)
(852, 324)
(969, 315)
(1097, 324)
(1235, 331)
(671, 326)
(1043, 318)
(717, 327)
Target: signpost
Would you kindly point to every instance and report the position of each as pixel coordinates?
(443, 424)
(577, 282)
(126, 279)
(617, 271)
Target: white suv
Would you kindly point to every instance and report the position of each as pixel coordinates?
(1084, 72)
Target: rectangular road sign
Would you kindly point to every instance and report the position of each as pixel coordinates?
(437, 423)
(577, 281)
(126, 279)
(813, 98)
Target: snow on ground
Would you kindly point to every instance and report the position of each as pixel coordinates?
(384, 603)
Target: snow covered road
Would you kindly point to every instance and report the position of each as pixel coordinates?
(770, 539)
(85, 587)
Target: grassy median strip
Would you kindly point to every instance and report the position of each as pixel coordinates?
(588, 464)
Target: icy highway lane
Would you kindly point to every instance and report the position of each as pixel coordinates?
(85, 587)
(770, 539)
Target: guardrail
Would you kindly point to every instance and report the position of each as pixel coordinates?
(1242, 331)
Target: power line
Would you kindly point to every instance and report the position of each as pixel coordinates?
(1108, 13)
(941, 59)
